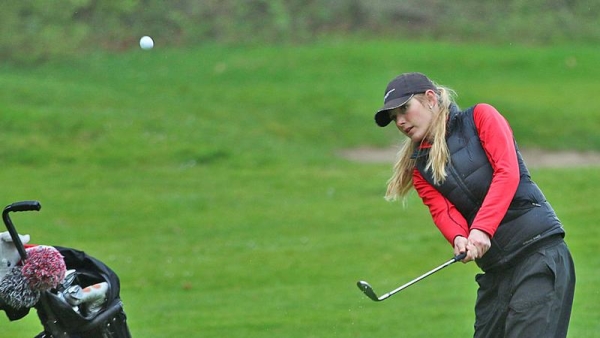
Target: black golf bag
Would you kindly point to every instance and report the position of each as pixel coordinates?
(61, 319)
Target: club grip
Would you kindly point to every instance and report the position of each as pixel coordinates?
(460, 256)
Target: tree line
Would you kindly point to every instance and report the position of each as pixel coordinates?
(35, 30)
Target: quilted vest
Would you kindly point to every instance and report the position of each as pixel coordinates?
(529, 219)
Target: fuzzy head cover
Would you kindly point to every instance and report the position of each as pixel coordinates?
(21, 282)
(9, 256)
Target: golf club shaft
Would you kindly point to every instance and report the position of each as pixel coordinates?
(423, 276)
(368, 290)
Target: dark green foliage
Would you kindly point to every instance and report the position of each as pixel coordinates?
(39, 30)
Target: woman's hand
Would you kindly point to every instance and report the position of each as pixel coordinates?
(460, 246)
(478, 244)
(475, 246)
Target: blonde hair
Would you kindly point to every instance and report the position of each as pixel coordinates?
(400, 184)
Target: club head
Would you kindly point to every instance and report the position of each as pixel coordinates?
(367, 290)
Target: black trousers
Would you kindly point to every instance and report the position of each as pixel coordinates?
(530, 299)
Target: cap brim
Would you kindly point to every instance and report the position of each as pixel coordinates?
(382, 117)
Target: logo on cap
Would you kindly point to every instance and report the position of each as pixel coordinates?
(388, 94)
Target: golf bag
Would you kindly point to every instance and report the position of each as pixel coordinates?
(60, 318)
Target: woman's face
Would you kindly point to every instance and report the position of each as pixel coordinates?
(413, 119)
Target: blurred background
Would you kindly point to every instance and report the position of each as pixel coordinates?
(35, 30)
(233, 176)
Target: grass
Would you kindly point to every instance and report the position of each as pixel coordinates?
(207, 179)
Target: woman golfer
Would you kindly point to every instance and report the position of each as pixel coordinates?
(467, 169)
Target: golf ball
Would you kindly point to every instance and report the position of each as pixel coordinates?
(146, 42)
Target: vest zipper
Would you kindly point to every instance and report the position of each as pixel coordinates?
(467, 193)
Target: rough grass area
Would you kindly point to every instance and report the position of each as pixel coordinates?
(534, 158)
(209, 180)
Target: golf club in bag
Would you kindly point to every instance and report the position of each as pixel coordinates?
(368, 290)
(102, 318)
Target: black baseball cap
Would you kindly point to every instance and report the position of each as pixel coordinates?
(399, 91)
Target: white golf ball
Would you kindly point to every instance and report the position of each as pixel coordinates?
(146, 42)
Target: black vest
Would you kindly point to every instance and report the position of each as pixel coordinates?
(529, 219)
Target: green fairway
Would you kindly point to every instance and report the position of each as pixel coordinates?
(208, 180)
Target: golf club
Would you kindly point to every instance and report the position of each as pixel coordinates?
(368, 290)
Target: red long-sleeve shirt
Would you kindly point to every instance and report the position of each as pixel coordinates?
(497, 141)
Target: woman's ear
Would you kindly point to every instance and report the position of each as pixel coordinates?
(431, 98)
